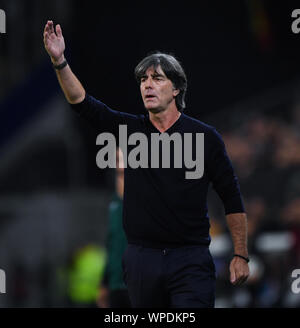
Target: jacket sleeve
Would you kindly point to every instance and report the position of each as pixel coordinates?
(99, 115)
(222, 176)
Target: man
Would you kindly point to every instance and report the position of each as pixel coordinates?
(167, 262)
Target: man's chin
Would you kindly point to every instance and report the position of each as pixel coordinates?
(153, 109)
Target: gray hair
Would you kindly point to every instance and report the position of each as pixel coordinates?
(172, 69)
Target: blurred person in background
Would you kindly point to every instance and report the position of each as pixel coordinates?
(79, 280)
(113, 291)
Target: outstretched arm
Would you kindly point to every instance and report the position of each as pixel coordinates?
(55, 46)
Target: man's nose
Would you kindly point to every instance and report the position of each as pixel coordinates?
(148, 84)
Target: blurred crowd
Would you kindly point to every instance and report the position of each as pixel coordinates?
(265, 150)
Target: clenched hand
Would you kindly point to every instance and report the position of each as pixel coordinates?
(239, 271)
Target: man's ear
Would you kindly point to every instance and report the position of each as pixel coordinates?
(175, 92)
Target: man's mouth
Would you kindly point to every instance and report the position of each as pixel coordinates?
(150, 97)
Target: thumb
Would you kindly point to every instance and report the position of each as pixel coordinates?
(232, 275)
(58, 30)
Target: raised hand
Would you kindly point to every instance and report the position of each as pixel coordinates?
(54, 42)
(55, 46)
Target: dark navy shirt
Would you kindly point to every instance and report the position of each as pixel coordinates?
(161, 207)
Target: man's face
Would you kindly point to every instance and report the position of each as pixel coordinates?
(157, 90)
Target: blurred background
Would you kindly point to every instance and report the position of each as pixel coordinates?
(242, 63)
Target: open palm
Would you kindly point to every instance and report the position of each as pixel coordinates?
(54, 42)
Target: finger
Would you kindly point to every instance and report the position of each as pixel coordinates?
(51, 27)
(47, 27)
(52, 36)
(241, 279)
(46, 35)
(58, 30)
(232, 276)
(46, 40)
(245, 278)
